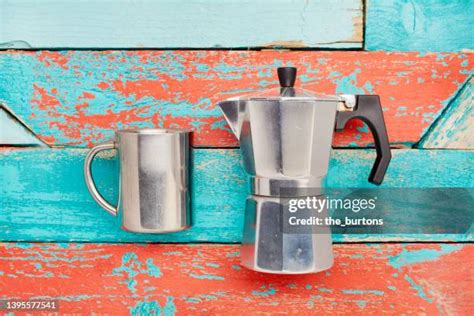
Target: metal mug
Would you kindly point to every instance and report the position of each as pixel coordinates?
(154, 179)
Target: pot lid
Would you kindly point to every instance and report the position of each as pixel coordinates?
(287, 91)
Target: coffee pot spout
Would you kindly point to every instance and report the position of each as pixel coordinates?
(233, 110)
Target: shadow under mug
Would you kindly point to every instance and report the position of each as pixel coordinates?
(154, 192)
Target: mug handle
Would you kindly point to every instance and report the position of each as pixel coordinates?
(90, 181)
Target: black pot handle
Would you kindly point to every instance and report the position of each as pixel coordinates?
(369, 110)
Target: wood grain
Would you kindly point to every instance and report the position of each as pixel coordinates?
(43, 196)
(455, 127)
(175, 24)
(14, 132)
(366, 279)
(77, 98)
(419, 25)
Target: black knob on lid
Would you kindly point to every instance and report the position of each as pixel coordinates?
(287, 76)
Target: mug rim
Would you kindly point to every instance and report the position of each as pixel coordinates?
(153, 131)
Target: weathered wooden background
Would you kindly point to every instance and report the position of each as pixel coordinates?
(71, 73)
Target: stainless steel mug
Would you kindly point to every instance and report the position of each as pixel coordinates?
(154, 180)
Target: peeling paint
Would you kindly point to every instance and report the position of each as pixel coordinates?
(154, 308)
(132, 267)
(419, 290)
(431, 287)
(409, 257)
(69, 213)
(364, 292)
(264, 292)
(79, 98)
(454, 127)
(207, 276)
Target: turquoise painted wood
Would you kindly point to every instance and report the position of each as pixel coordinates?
(419, 25)
(14, 132)
(455, 127)
(44, 197)
(182, 23)
(78, 98)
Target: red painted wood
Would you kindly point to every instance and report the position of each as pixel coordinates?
(79, 97)
(367, 279)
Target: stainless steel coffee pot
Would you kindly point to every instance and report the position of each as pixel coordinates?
(285, 139)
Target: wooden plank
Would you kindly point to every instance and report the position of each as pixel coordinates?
(455, 127)
(14, 132)
(175, 24)
(78, 98)
(366, 279)
(418, 25)
(44, 197)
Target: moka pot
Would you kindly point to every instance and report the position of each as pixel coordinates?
(285, 139)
